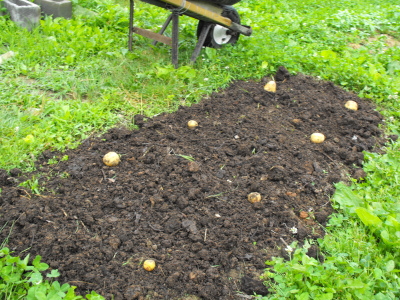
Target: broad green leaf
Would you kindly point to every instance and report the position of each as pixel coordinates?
(163, 72)
(393, 66)
(347, 199)
(354, 284)
(23, 263)
(390, 265)
(12, 260)
(326, 296)
(36, 260)
(65, 287)
(328, 54)
(381, 296)
(211, 53)
(5, 251)
(392, 221)
(53, 274)
(368, 218)
(71, 294)
(94, 296)
(299, 268)
(42, 267)
(303, 296)
(56, 285)
(388, 239)
(378, 273)
(39, 295)
(264, 65)
(36, 278)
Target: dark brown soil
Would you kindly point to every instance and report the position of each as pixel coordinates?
(97, 224)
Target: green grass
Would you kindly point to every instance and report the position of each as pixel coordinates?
(73, 78)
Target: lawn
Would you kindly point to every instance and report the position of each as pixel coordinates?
(72, 79)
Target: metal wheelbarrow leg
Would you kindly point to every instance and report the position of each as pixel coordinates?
(210, 17)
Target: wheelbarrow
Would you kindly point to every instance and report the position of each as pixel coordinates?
(219, 24)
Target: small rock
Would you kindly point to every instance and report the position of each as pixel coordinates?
(303, 214)
(193, 167)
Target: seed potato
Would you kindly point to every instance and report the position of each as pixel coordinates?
(192, 124)
(317, 138)
(352, 105)
(270, 86)
(149, 265)
(254, 197)
(111, 159)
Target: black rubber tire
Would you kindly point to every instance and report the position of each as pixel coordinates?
(228, 12)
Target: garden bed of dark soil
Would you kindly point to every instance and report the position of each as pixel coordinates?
(97, 224)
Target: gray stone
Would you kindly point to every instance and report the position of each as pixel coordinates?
(56, 8)
(22, 12)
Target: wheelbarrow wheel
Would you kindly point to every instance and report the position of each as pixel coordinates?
(219, 35)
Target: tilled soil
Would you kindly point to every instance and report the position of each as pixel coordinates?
(179, 196)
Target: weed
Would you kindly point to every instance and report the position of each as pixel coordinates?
(186, 157)
(20, 280)
(32, 184)
(52, 161)
(64, 175)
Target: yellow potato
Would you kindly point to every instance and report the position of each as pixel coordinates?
(270, 86)
(317, 138)
(254, 197)
(111, 159)
(351, 105)
(192, 124)
(149, 265)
